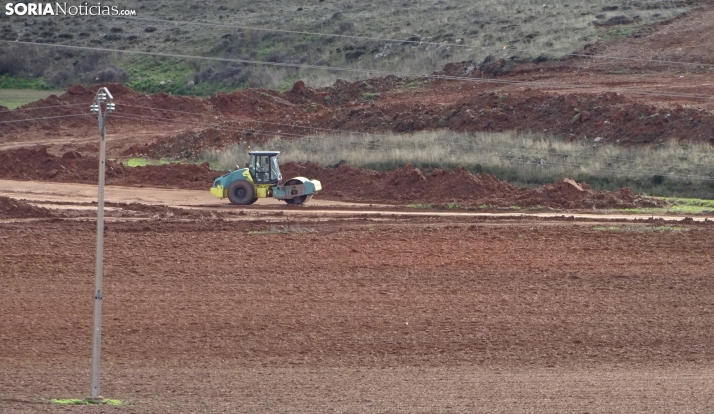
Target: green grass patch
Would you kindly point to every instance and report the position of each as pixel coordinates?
(137, 162)
(678, 206)
(88, 401)
(370, 96)
(451, 206)
(12, 82)
(282, 230)
(665, 228)
(143, 162)
(13, 98)
(158, 75)
(640, 228)
(420, 206)
(692, 202)
(288, 83)
(621, 32)
(170, 76)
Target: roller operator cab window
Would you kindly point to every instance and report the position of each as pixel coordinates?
(264, 169)
(275, 170)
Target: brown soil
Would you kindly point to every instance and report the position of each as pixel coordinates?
(411, 185)
(12, 208)
(36, 163)
(401, 186)
(413, 314)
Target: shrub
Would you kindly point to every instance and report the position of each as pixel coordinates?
(23, 61)
(13, 62)
(63, 77)
(112, 75)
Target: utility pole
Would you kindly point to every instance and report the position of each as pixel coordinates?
(103, 104)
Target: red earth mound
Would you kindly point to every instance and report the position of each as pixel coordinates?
(401, 186)
(611, 117)
(460, 187)
(37, 164)
(11, 208)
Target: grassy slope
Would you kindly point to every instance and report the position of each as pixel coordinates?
(521, 29)
(12, 98)
(672, 169)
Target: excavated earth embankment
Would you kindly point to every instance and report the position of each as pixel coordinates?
(457, 188)
(11, 208)
(400, 186)
(37, 164)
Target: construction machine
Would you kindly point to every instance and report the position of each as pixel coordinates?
(262, 179)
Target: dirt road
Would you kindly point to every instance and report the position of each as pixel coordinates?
(74, 196)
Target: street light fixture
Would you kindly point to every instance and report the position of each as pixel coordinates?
(101, 107)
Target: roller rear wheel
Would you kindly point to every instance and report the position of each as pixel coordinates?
(241, 193)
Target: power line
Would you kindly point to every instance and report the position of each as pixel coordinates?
(248, 120)
(379, 72)
(42, 118)
(403, 41)
(253, 131)
(264, 29)
(668, 62)
(41, 107)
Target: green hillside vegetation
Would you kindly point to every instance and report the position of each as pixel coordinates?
(437, 32)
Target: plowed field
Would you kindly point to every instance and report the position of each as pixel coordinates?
(358, 314)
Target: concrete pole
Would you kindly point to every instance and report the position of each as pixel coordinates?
(97, 349)
(101, 97)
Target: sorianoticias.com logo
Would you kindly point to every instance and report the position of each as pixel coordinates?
(64, 9)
